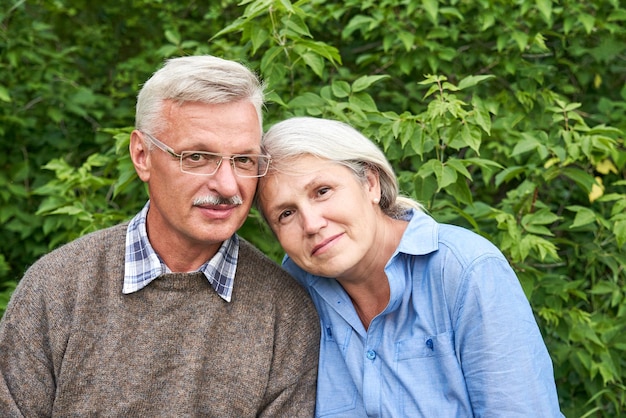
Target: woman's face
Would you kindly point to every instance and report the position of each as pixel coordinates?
(326, 219)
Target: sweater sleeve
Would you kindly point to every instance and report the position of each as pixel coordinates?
(27, 384)
(293, 376)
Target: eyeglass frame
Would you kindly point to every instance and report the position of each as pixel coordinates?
(166, 148)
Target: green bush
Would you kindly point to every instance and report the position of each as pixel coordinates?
(504, 117)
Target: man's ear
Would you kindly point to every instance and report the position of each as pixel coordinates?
(140, 155)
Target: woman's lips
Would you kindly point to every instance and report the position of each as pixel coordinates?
(322, 246)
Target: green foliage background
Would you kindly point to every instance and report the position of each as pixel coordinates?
(506, 117)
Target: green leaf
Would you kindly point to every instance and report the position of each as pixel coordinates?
(298, 27)
(509, 174)
(481, 115)
(447, 176)
(5, 96)
(584, 216)
(424, 188)
(521, 39)
(526, 144)
(472, 137)
(407, 39)
(68, 210)
(363, 102)
(607, 369)
(619, 229)
(322, 49)
(340, 89)
(545, 249)
(307, 101)
(459, 167)
(482, 162)
(588, 21)
(603, 288)
(582, 178)
(472, 80)
(315, 62)
(259, 37)
(364, 82)
(172, 36)
(432, 8)
(358, 22)
(459, 189)
(545, 8)
(533, 222)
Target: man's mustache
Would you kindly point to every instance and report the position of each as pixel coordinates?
(217, 200)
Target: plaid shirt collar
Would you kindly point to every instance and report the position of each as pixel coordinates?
(142, 264)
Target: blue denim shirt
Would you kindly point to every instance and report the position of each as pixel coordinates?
(458, 338)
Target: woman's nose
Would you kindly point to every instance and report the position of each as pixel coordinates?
(312, 220)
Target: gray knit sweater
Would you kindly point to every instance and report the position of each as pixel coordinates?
(71, 344)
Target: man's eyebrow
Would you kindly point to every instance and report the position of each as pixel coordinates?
(209, 148)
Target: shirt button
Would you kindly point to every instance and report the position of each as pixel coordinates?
(371, 354)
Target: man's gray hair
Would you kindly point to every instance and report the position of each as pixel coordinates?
(202, 78)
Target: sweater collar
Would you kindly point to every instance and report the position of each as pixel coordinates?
(142, 264)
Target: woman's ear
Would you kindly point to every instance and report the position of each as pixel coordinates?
(140, 155)
(373, 184)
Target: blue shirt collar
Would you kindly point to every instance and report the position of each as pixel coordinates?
(142, 264)
(421, 236)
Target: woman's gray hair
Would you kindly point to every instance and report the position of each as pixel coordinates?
(338, 142)
(200, 78)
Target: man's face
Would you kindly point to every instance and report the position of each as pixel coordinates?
(176, 221)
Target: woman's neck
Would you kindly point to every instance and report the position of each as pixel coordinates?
(370, 293)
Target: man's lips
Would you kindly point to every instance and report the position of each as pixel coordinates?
(324, 244)
(216, 207)
(217, 211)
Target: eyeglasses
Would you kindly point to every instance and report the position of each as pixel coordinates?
(202, 163)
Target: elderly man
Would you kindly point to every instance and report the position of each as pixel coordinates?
(170, 314)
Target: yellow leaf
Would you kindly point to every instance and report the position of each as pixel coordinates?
(606, 166)
(597, 190)
(597, 81)
(551, 162)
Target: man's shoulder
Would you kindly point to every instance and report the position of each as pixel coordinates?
(258, 270)
(67, 271)
(110, 234)
(89, 248)
(255, 259)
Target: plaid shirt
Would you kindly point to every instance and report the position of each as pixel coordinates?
(143, 265)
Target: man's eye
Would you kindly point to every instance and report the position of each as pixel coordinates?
(245, 162)
(243, 159)
(195, 157)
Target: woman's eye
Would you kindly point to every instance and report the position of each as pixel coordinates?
(323, 190)
(284, 214)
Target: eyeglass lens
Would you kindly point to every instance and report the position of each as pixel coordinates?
(244, 165)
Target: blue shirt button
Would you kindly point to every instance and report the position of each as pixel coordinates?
(371, 354)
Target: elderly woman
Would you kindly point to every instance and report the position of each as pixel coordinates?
(418, 318)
